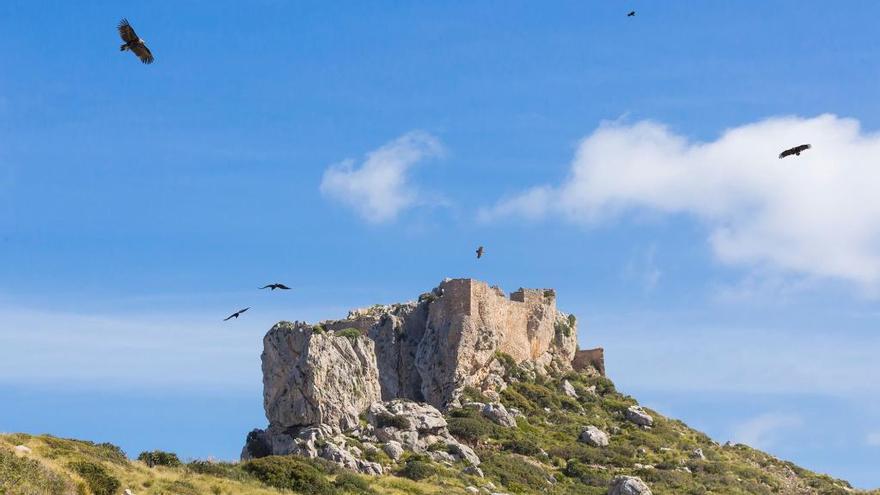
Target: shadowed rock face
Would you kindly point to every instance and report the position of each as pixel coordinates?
(426, 351)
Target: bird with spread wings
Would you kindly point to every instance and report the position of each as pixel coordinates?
(794, 151)
(236, 314)
(133, 43)
(275, 286)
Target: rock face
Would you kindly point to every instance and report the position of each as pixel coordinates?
(312, 377)
(318, 379)
(628, 485)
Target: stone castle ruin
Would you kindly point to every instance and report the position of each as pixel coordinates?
(408, 362)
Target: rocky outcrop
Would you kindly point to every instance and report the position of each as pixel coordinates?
(318, 379)
(628, 485)
(315, 377)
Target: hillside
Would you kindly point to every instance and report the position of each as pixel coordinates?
(541, 454)
(468, 390)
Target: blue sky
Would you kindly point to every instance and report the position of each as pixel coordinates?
(359, 153)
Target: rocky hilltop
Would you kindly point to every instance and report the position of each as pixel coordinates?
(412, 360)
(466, 391)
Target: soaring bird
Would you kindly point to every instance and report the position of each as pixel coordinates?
(632, 13)
(133, 43)
(236, 314)
(479, 252)
(276, 286)
(794, 151)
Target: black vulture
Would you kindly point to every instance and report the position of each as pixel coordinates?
(236, 314)
(275, 286)
(794, 151)
(479, 252)
(632, 13)
(133, 43)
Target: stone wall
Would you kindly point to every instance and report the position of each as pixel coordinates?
(590, 357)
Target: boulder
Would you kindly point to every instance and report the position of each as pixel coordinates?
(473, 471)
(638, 416)
(497, 413)
(593, 436)
(698, 454)
(464, 453)
(568, 389)
(22, 449)
(394, 450)
(628, 485)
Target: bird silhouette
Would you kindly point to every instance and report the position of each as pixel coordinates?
(275, 286)
(133, 43)
(479, 252)
(794, 151)
(632, 13)
(236, 314)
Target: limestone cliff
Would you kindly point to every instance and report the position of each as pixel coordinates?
(461, 334)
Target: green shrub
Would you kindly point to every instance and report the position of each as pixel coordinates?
(159, 458)
(586, 474)
(386, 419)
(417, 469)
(352, 483)
(349, 333)
(522, 446)
(218, 469)
(290, 473)
(516, 474)
(100, 482)
(470, 429)
(563, 327)
(472, 394)
(63, 447)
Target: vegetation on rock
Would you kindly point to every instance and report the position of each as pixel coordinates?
(539, 455)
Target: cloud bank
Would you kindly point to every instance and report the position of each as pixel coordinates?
(379, 189)
(817, 214)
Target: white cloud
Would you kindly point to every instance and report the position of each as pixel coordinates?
(762, 431)
(873, 439)
(379, 189)
(816, 215)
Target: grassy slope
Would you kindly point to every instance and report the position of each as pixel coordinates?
(542, 455)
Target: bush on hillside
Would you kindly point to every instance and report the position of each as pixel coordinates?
(470, 429)
(290, 473)
(417, 469)
(219, 469)
(100, 482)
(159, 458)
(352, 483)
